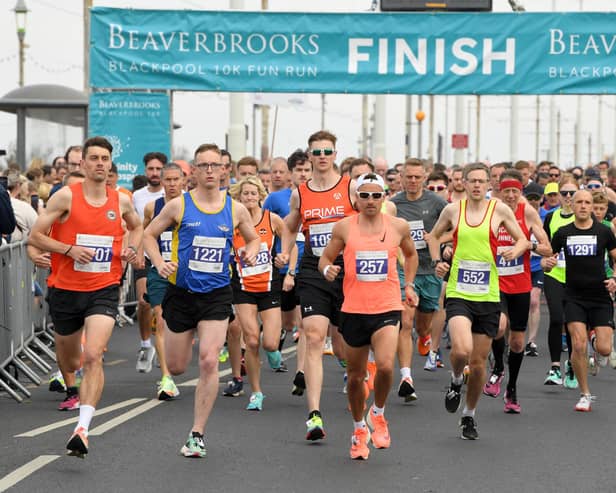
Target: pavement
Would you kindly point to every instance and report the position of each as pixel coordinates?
(135, 439)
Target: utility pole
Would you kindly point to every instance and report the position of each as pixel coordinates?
(237, 131)
(264, 115)
(408, 124)
(598, 138)
(380, 122)
(458, 154)
(87, 5)
(431, 130)
(537, 128)
(513, 129)
(364, 125)
(322, 111)
(478, 130)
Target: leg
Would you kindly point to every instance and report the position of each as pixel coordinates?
(247, 315)
(461, 344)
(603, 342)
(554, 293)
(383, 341)
(405, 339)
(534, 315)
(579, 354)
(178, 350)
(160, 340)
(356, 371)
(98, 330)
(234, 344)
(144, 315)
(479, 355)
(315, 330)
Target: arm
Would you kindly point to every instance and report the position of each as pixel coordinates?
(508, 220)
(38, 257)
(610, 284)
(333, 248)
(168, 216)
(281, 230)
(534, 222)
(440, 232)
(148, 215)
(390, 208)
(247, 230)
(548, 263)
(411, 262)
(289, 280)
(292, 221)
(135, 228)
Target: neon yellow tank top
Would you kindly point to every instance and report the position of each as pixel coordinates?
(473, 274)
(556, 223)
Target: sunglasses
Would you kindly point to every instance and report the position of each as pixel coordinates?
(319, 152)
(593, 186)
(374, 195)
(212, 166)
(436, 188)
(534, 197)
(552, 175)
(566, 193)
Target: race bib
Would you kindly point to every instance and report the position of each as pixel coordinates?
(263, 264)
(320, 234)
(207, 254)
(473, 277)
(300, 238)
(165, 245)
(102, 246)
(582, 245)
(508, 267)
(371, 266)
(560, 261)
(417, 233)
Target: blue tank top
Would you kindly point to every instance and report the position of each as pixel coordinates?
(164, 240)
(201, 245)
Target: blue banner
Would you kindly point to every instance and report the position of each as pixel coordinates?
(135, 124)
(440, 53)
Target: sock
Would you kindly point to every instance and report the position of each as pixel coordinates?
(468, 412)
(405, 372)
(70, 391)
(377, 411)
(457, 380)
(498, 350)
(359, 425)
(433, 354)
(371, 356)
(147, 343)
(515, 362)
(85, 416)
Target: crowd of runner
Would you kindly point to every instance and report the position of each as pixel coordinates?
(345, 256)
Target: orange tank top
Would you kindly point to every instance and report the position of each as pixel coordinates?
(320, 210)
(98, 228)
(371, 282)
(257, 278)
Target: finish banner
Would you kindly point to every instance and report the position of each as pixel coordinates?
(368, 53)
(135, 124)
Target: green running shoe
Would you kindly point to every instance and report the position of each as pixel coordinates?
(570, 382)
(256, 402)
(167, 389)
(315, 428)
(194, 446)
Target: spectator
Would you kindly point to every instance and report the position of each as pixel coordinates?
(139, 181)
(25, 216)
(7, 216)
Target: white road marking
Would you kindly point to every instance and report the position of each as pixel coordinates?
(115, 362)
(24, 471)
(122, 418)
(65, 422)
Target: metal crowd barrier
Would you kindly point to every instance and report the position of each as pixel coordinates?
(26, 336)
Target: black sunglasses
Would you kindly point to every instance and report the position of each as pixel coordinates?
(570, 193)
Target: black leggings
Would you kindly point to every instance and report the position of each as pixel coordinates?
(555, 296)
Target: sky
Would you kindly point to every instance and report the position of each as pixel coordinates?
(58, 59)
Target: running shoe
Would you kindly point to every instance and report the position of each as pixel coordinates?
(601, 360)
(256, 402)
(371, 368)
(299, 384)
(554, 377)
(234, 388)
(295, 335)
(70, 403)
(493, 386)
(406, 390)
(593, 365)
(327, 347)
(167, 389)
(77, 445)
(453, 397)
(315, 429)
(342, 362)
(380, 431)
(439, 359)
(512, 406)
(282, 368)
(56, 382)
(531, 350)
(145, 356)
(612, 359)
(564, 347)
(359, 444)
(466, 373)
(194, 446)
(430, 364)
(223, 356)
(584, 404)
(274, 358)
(469, 428)
(423, 345)
(570, 381)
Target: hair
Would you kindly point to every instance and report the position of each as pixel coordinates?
(13, 179)
(544, 162)
(519, 165)
(414, 162)
(155, 155)
(298, 156)
(83, 149)
(469, 168)
(236, 190)
(542, 176)
(171, 166)
(360, 161)
(97, 141)
(248, 161)
(439, 168)
(611, 172)
(264, 171)
(208, 147)
(54, 163)
(501, 165)
(34, 173)
(281, 159)
(567, 179)
(139, 181)
(224, 152)
(346, 164)
(43, 191)
(554, 166)
(46, 169)
(599, 198)
(322, 135)
(589, 178)
(113, 169)
(438, 176)
(511, 174)
(392, 171)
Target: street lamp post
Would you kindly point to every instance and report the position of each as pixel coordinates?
(20, 18)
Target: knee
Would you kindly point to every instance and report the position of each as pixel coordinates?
(142, 304)
(516, 342)
(208, 362)
(176, 368)
(385, 367)
(604, 348)
(579, 345)
(252, 342)
(92, 357)
(270, 344)
(314, 339)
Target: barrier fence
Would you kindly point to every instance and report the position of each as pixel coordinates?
(26, 334)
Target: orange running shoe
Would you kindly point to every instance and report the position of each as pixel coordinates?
(371, 367)
(380, 431)
(77, 445)
(423, 345)
(359, 444)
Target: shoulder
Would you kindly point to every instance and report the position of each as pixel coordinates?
(399, 224)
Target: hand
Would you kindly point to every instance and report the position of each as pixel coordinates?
(248, 259)
(81, 255)
(411, 297)
(447, 253)
(281, 260)
(166, 269)
(549, 263)
(610, 285)
(287, 283)
(441, 269)
(42, 260)
(129, 255)
(508, 255)
(332, 272)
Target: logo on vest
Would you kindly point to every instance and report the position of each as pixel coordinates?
(224, 228)
(262, 231)
(111, 215)
(337, 196)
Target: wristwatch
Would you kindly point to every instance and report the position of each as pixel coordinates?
(434, 262)
(291, 273)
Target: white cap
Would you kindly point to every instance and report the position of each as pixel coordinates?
(370, 178)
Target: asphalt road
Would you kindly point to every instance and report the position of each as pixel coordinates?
(135, 447)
